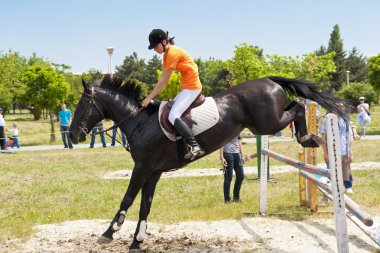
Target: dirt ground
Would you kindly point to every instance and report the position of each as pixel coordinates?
(246, 235)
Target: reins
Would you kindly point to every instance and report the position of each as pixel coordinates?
(127, 147)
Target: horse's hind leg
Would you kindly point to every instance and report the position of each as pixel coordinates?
(295, 112)
(147, 193)
(137, 180)
(303, 138)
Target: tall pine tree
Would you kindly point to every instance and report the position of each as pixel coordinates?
(336, 45)
(357, 64)
(151, 77)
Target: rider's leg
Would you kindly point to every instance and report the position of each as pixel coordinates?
(182, 102)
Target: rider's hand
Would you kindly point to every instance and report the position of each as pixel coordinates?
(145, 102)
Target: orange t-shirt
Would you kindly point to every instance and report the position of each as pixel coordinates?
(176, 58)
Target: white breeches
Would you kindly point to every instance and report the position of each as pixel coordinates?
(182, 102)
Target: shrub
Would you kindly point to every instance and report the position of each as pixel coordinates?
(353, 91)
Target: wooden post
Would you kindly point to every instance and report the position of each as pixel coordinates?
(302, 181)
(311, 158)
(335, 165)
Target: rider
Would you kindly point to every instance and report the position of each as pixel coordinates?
(176, 58)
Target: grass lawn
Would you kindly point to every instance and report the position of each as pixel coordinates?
(38, 132)
(43, 187)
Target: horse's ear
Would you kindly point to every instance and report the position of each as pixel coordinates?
(85, 86)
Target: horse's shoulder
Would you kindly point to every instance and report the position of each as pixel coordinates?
(153, 107)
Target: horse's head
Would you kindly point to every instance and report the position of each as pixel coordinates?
(88, 113)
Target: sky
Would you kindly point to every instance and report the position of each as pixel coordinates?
(77, 32)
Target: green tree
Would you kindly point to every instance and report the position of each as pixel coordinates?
(321, 50)
(35, 60)
(150, 75)
(355, 90)
(357, 64)
(216, 77)
(247, 63)
(92, 76)
(46, 89)
(132, 68)
(75, 91)
(12, 66)
(336, 45)
(284, 66)
(374, 72)
(172, 88)
(318, 68)
(311, 67)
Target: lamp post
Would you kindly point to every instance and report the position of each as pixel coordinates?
(348, 77)
(110, 51)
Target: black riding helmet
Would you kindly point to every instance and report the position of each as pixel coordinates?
(156, 36)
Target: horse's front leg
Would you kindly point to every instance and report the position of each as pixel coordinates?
(137, 180)
(146, 202)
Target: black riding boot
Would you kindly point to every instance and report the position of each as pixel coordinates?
(183, 129)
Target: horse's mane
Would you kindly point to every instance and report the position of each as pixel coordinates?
(126, 87)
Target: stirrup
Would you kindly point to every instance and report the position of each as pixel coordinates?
(193, 152)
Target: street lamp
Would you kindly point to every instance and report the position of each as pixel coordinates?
(348, 77)
(110, 51)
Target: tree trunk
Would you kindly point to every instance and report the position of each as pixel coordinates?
(52, 135)
(36, 113)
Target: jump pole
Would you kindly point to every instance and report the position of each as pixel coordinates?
(263, 175)
(258, 148)
(335, 165)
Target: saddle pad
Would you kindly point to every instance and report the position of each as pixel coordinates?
(204, 116)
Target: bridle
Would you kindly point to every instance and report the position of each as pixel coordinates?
(92, 101)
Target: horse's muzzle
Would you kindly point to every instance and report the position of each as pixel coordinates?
(80, 137)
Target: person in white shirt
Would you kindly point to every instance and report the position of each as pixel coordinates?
(364, 118)
(14, 137)
(2, 127)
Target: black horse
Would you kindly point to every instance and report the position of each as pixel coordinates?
(259, 105)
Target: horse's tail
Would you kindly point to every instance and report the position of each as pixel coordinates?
(310, 91)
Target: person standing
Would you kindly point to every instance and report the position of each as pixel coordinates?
(113, 139)
(14, 137)
(177, 59)
(65, 118)
(231, 156)
(98, 128)
(364, 118)
(2, 127)
(346, 151)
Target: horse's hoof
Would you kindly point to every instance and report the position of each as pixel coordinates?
(311, 141)
(133, 250)
(104, 240)
(135, 246)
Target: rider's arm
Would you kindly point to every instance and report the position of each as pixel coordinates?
(159, 86)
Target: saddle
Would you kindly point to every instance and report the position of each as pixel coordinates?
(186, 116)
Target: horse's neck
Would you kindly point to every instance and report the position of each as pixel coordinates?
(121, 110)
